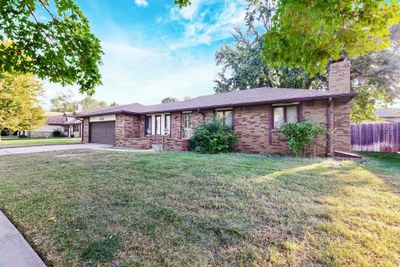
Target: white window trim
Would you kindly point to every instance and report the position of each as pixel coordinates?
(183, 125)
(153, 122)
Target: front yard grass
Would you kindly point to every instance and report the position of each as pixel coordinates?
(184, 209)
(20, 142)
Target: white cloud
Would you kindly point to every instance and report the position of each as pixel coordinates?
(142, 3)
(140, 68)
(204, 23)
(147, 75)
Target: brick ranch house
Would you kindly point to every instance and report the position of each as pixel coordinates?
(255, 115)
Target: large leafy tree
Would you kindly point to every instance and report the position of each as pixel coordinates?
(64, 102)
(20, 102)
(242, 65)
(89, 103)
(243, 68)
(308, 34)
(51, 39)
(67, 102)
(375, 76)
(376, 79)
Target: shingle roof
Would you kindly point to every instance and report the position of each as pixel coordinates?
(388, 113)
(60, 120)
(238, 98)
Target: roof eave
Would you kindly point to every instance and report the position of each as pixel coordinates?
(295, 99)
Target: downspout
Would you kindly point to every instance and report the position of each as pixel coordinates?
(328, 127)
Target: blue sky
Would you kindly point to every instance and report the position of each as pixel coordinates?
(154, 50)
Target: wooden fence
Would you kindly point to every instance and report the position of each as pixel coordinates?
(379, 137)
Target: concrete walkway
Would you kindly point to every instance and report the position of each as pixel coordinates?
(37, 149)
(14, 250)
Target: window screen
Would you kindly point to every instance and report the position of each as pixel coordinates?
(225, 116)
(291, 114)
(279, 117)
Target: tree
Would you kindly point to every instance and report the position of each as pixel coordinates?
(243, 68)
(376, 80)
(374, 77)
(169, 99)
(19, 102)
(66, 102)
(89, 103)
(242, 65)
(182, 3)
(308, 34)
(51, 39)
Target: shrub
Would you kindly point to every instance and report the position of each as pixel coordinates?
(22, 136)
(213, 137)
(300, 135)
(58, 133)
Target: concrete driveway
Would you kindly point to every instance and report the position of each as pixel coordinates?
(37, 149)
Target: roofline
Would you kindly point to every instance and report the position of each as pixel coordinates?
(296, 99)
(62, 124)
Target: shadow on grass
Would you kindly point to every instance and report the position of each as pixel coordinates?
(183, 208)
(386, 166)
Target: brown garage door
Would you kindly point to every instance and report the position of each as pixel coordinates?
(102, 132)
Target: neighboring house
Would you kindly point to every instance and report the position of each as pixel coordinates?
(255, 115)
(66, 123)
(390, 115)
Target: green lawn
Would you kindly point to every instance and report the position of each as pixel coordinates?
(19, 142)
(88, 208)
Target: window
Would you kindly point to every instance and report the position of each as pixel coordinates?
(76, 127)
(291, 114)
(147, 127)
(279, 117)
(158, 124)
(167, 125)
(285, 114)
(187, 125)
(225, 116)
(66, 129)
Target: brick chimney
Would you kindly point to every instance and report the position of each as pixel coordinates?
(339, 76)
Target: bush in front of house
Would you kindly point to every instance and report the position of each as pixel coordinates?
(301, 135)
(58, 133)
(213, 137)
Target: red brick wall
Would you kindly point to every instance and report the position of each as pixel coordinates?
(316, 111)
(176, 129)
(341, 127)
(119, 129)
(252, 125)
(85, 130)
